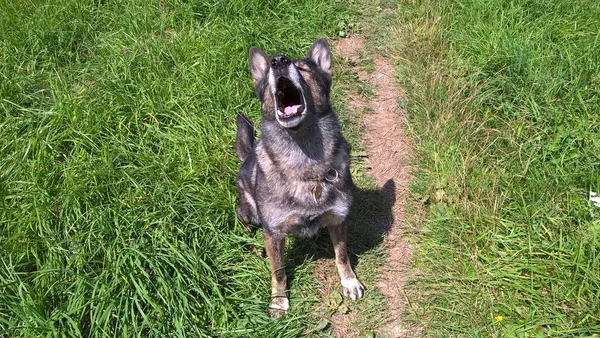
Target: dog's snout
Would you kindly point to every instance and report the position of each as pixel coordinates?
(280, 61)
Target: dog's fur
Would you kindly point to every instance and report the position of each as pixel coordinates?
(296, 178)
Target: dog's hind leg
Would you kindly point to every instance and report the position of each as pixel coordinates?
(352, 287)
(275, 250)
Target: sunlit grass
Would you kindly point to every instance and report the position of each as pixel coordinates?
(117, 203)
(503, 98)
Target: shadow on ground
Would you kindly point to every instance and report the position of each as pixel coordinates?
(370, 220)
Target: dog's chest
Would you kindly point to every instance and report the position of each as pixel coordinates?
(302, 188)
(314, 194)
(306, 206)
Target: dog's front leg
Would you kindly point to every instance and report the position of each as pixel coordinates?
(352, 287)
(275, 245)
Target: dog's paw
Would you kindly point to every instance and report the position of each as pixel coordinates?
(279, 306)
(353, 288)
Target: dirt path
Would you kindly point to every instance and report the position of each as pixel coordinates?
(388, 151)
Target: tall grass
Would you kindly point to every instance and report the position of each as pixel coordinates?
(504, 99)
(116, 166)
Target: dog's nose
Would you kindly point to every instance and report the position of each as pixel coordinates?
(280, 61)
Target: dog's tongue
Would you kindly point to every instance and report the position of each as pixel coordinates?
(290, 110)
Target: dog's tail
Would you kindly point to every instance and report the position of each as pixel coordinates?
(244, 142)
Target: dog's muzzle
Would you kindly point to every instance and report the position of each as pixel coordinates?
(290, 105)
(288, 99)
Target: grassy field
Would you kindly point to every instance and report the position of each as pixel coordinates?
(116, 167)
(503, 99)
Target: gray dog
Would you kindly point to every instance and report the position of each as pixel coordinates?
(296, 178)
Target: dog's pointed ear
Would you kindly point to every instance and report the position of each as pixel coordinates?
(259, 65)
(319, 52)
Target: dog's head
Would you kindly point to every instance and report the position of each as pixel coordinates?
(292, 89)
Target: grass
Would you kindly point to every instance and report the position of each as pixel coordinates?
(503, 102)
(116, 196)
(117, 203)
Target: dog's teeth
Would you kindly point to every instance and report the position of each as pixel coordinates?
(279, 112)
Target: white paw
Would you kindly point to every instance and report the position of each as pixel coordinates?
(279, 306)
(353, 288)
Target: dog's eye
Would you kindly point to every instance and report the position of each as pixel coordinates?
(303, 67)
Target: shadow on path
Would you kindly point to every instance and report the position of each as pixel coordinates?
(370, 220)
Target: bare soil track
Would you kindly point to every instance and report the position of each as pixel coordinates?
(388, 151)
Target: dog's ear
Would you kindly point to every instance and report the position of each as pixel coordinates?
(259, 65)
(319, 52)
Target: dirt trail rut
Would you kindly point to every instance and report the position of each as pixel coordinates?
(388, 151)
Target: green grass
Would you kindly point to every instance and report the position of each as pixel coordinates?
(116, 196)
(503, 99)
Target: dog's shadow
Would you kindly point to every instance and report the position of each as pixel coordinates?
(370, 220)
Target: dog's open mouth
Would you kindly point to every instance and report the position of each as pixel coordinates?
(289, 101)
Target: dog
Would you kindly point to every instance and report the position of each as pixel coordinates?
(296, 178)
